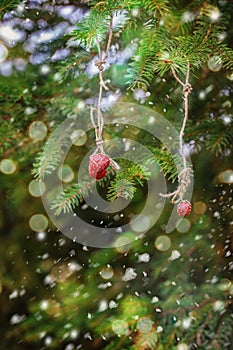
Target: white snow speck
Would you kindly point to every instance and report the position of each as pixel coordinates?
(49, 280)
(174, 255)
(73, 266)
(74, 334)
(88, 336)
(130, 274)
(219, 305)
(69, 346)
(228, 253)
(104, 285)
(44, 304)
(103, 306)
(48, 341)
(144, 257)
(155, 300)
(198, 237)
(16, 318)
(187, 322)
(159, 329)
(14, 294)
(112, 304)
(158, 310)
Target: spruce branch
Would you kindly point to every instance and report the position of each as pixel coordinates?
(73, 195)
(123, 188)
(223, 334)
(7, 6)
(124, 185)
(49, 158)
(201, 329)
(215, 135)
(126, 181)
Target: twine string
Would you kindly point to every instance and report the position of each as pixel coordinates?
(100, 63)
(185, 173)
(98, 132)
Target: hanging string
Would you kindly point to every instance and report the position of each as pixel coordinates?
(98, 132)
(100, 63)
(185, 173)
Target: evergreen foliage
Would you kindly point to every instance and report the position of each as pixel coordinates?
(8, 5)
(163, 44)
(62, 296)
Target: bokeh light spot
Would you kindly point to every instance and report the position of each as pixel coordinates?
(107, 273)
(214, 14)
(3, 53)
(188, 16)
(120, 327)
(162, 243)
(225, 285)
(123, 242)
(65, 173)
(184, 226)
(140, 224)
(53, 307)
(230, 76)
(199, 207)
(226, 176)
(144, 325)
(36, 188)
(78, 137)
(37, 130)
(7, 166)
(38, 222)
(215, 63)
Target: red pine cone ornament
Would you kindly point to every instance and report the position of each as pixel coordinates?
(184, 208)
(98, 164)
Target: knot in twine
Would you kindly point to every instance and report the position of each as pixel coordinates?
(99, 142)
(184, 181)
(187, 88)
(100, 64)
(184, 177)
(98, 130)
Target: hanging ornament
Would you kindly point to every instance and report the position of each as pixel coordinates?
(98, 164)
(184, 208)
